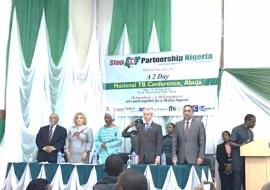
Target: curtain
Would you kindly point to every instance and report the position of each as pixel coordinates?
(139, 16)
(5, 14)
(257, 79)
(81, 20)
(56, 13)
(237, 99)
(2, 124)
(29, 14)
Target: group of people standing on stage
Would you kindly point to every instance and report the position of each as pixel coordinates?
(231, 164)
(78, 142)
(183, 143)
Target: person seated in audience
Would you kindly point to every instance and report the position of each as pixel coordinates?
(50, 140)
(113, 167)
(39, 184)
(167, 143)
(223, 155)
(206, 186)
(266, 186)
(79, 140)
(108, 139)
(131, 179)
(131, 132)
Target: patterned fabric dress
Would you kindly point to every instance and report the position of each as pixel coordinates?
(112, 137)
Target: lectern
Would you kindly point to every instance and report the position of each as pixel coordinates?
(257, 163)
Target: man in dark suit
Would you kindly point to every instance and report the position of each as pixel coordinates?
(50, 140)
(189, 139)
(149, 142)
(241, 135)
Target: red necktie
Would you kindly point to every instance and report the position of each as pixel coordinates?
(186, 131)
(50, 133)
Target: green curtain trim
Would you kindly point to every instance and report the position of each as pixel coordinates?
(139, 16)
(219, 81)
(56, 14)
(119, 17)
(2, 129)
(163, 23)
(257, 79)
(29, 13)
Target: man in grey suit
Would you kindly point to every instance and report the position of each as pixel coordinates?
(189, 139)
(149, 142)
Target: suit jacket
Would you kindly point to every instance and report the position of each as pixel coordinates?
(149, 144)
(195, 145)
(58, 142)
(222, 157)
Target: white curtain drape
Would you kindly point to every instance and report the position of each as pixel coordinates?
(82, 14)
(236, 100)
(5, 9)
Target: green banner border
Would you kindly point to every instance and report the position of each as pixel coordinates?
(160, 84)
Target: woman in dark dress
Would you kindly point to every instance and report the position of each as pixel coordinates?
(167, 143)
(224, 159)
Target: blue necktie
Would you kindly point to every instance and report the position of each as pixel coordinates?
(146, 127)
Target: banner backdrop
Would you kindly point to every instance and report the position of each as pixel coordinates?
(163, 81)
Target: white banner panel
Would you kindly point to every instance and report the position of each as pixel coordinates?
(163, 81)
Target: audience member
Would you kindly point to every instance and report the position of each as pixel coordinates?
(113, 167)
(206, 186)
(131, 179)
(266, 186)
(39, 184)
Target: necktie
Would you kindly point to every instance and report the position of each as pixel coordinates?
(146, 127)
(50, 133)
(186, 131)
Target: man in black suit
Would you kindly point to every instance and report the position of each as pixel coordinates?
(50, 140)
(149, 144)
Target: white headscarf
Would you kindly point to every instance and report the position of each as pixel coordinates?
(111, 114)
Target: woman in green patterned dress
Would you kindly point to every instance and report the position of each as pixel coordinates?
(108, 139)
